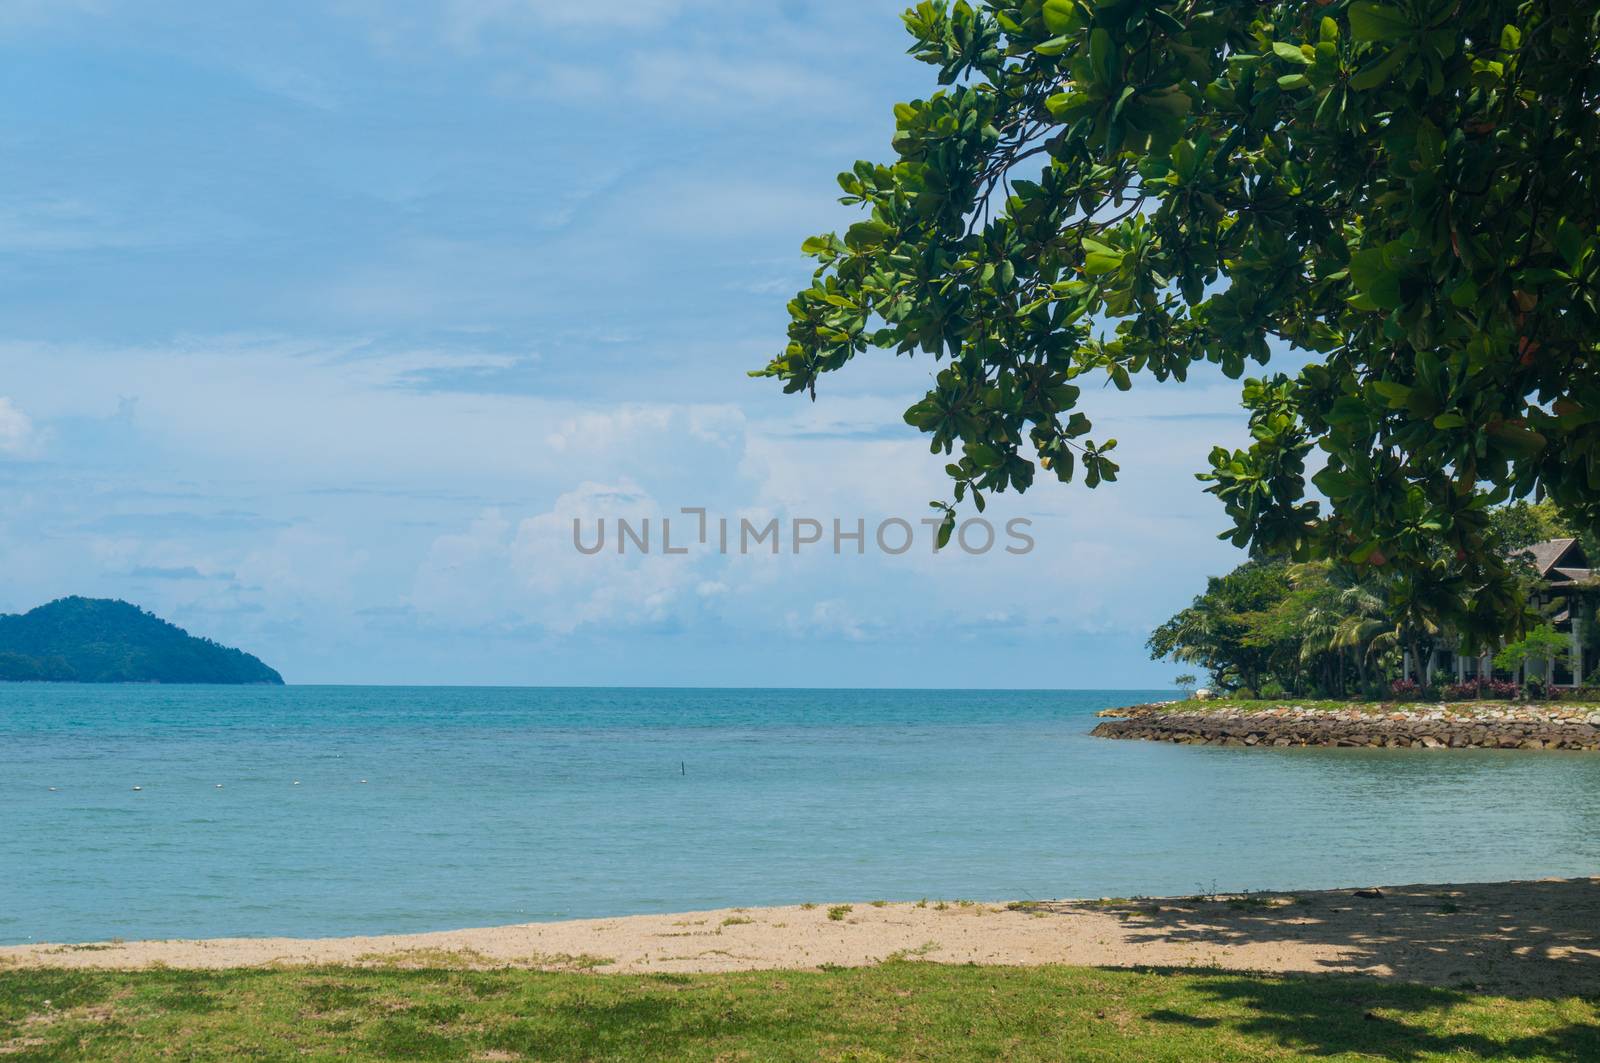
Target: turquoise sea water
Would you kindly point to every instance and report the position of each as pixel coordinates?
(487, 806)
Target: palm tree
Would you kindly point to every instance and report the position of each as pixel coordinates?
(1425, 600)
(1318, 626)
(1364, 628)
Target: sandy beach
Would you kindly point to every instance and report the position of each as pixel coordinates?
(1534, 937)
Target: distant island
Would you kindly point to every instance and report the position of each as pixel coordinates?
(99, 640)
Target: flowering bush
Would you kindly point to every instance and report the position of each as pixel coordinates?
(1406, 689)
(1475, 689)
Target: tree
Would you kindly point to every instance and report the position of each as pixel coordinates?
(1405, 195)
(1185, 683)
(1363, 629)
(1520, 524)
(1215, 632)
(1537, 649)
(1425, 600)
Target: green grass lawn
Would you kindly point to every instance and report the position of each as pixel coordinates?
(901, 1010)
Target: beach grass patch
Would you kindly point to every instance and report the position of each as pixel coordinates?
(904, 1008)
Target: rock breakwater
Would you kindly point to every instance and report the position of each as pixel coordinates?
(1413, 726)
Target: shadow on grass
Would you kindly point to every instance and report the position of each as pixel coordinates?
(1326, 1016)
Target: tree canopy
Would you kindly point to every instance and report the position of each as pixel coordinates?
(1275, 628)
(1401, 196)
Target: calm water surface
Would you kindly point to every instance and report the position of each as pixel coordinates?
(486, 806)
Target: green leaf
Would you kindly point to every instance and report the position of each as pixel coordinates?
(1100, 52)
(1377, 72)
(1430, 144)
(1065, 106)
(1290, 53)
(1569, 242)
(1377, 22)
(1520, 441)
(1396, 394)
(1449, 420)
(1347, 410)
(1375, 279)
(1363, 552)
(983, 455)
(866, 235)
(1063, 465)
(1062, 16)
(1336, 483)
(1099, 262)
(1464, 294)
(1185, 160)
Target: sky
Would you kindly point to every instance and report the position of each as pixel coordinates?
(321, 323)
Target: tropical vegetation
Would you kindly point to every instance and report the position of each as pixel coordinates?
(1323, 629)
(1396, 201)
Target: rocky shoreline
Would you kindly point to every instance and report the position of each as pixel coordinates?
(1412, 727)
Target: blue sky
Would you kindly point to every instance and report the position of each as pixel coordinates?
(320, 323)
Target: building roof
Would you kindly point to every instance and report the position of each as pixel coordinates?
(1547, 555)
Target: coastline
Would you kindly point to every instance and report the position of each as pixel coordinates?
(1525, 936)
(1461, 725)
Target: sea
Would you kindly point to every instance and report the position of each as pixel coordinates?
(310, 811)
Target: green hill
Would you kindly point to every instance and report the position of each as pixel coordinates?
(98, 640)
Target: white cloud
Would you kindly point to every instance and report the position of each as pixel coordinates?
(331, 413)
(16, 429)
(532, 573)
(832, 617)
(303, 570)
(334, 490)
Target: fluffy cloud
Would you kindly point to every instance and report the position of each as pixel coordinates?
(532, 573)
(381, 510)
(16, 429)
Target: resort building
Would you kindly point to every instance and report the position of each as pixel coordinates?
(1566, 596)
